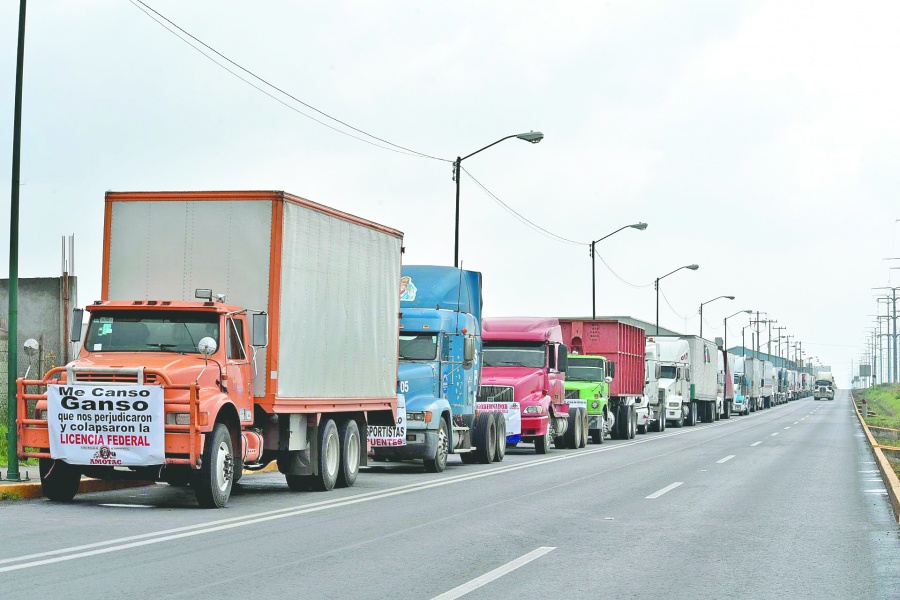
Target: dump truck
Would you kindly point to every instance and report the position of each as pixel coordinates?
(440, 373)
(623, 345)
(234, 329)
(525, 360)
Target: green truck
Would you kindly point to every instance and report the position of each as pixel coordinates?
(587, 386)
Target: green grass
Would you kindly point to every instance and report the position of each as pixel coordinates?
(884, 405)
(9, 496)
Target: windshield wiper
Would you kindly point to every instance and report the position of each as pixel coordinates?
(162, 346)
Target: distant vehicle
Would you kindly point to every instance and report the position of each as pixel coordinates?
(824, 388)
(741, 403)
(689, 369)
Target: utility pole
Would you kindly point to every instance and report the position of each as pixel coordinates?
(12, 472)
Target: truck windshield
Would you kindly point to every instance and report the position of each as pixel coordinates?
(418, 346)
(737, 378)
(150, 331)
(667, 372)
(512, 354)
(585, 369)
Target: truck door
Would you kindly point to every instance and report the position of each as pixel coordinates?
(240, 379)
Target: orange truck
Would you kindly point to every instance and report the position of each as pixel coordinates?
(235, 329)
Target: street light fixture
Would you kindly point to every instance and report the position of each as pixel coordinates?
(656, 285)
(725, 322)
(532, 136)
(707, 302)
(639, 227)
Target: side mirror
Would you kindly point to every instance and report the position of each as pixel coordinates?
(31, 347)
(562, 358)
(468, 352)
(75, 330)
(259, 337)
(611, 369)
(609, 379)
(207, 346)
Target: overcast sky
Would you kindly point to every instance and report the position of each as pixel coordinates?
(759, 139)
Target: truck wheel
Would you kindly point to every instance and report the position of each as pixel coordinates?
(348, 433)
(485, 437)
(500, 448)
(583, 422)
(572, 436)
(59, 479)
(633, 416)
(726, 412)
(623, 426)
(542, 442)
(597, 435)
(214, 479)
(661, 426)
(692, 415)
(439, 462)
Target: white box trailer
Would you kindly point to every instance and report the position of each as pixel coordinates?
(753, 372)
(768, 384)
(703, 376)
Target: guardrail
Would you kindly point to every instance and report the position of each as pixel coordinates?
(891, 481)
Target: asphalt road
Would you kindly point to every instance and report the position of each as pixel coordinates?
(784, 503)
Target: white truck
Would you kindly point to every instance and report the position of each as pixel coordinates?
(726, 391)
(741, 403)
(768, 384)
(654, 401)
(824, 388)
(688, 373)
(753, 372)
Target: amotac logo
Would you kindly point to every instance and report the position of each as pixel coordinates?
(105, 456)
(706, 357)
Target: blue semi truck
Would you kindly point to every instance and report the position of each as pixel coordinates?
(440, 371)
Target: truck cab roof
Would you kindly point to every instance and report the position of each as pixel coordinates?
(525, 329)
(217, 307)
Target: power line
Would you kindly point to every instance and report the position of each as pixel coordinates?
(522, 218)
(677, 314)
(619, 277)
(147, 10)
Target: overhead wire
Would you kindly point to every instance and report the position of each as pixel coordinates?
(678, 314)
(620, 278)
(156, 16)
(521, 217)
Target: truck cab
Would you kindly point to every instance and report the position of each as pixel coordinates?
(440, 369)
(525, 357)
(587, 387)
(740, 405)
(674, 379)
(824, 386)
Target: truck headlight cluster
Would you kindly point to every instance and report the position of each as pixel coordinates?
(595, 405)
(674, 404)
(534, 410)
(173, 418)
(423, 416)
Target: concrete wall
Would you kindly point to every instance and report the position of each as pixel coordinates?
(40, 317)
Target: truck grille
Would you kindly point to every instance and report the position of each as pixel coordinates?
(114, 378)
(495, 393)
(572, 394)
(662, 396)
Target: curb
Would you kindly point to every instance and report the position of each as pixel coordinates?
(24, 490)
(891, 481)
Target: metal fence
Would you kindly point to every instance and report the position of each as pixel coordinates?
(34, 366)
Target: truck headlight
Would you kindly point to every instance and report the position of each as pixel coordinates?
(178, 418)
(674, 404)
(422, 416)
(595, 405)
(534, 410)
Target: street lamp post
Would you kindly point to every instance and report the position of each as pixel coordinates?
(656, 285)
(725, 323)
(639, 227)
(707, 302)
(532, 136)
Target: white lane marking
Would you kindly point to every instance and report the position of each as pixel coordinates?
(870, 471)
(497, 573)
(882, 492)
(127, 505)
(755, 444)
(164, 535)
(725, 460)
(668, 488)
(796, 422)
(776, 433)
(788, 427)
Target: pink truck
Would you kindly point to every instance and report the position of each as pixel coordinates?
(625, 346)
(525, 362)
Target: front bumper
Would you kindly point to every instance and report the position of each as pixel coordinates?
(535, 425)
(420, 444)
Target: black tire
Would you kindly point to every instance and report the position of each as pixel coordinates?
(662, 419)
(500, 448)
(215, 478)
(329, 457)
(583, 422)
(692, 415)
(485, 437)
(624, 424)
(542, 443)
(348, 434)
(726, 410)
(597, 435)
(572, 436)
(438, 462)
(632, 413)
(59, 479)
